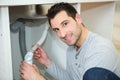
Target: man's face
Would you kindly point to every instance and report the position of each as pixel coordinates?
(67, 29)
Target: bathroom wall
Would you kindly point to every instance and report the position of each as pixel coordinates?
(98, 17)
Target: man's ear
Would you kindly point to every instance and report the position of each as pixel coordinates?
(78, 18)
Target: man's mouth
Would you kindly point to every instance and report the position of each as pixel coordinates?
(68, 39)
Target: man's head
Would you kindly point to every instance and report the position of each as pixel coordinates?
(66, 22)
(55, 9)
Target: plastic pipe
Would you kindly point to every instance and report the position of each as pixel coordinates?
(21, 27)
(29, 56)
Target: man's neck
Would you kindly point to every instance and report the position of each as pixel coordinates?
(82, 38)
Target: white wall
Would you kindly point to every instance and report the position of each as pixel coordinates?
(98, 17)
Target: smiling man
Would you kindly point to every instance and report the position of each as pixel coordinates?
(89, 56)
(68, 29)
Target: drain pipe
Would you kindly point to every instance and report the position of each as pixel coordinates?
(19, 25)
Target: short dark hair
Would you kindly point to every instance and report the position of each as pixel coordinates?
(68, 8)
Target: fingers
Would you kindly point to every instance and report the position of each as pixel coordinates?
(38, 53)
(22, 75)
(36, 56)
(39, 50)
(22, 70)
(24, 63)
(23, 66)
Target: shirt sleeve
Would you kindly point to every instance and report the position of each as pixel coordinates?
(57, 72)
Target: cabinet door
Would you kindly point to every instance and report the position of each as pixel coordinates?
(5, 46)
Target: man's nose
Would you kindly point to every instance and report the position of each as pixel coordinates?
(62, 34)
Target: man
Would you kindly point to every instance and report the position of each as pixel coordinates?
(89, 56)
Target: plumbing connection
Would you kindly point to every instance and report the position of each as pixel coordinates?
(19, 25)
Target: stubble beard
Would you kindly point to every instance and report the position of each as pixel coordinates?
(78, 38)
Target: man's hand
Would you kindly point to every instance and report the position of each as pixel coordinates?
(30, 72)
(41, 56)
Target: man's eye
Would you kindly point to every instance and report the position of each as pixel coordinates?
(65, 24)
(55, 29)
